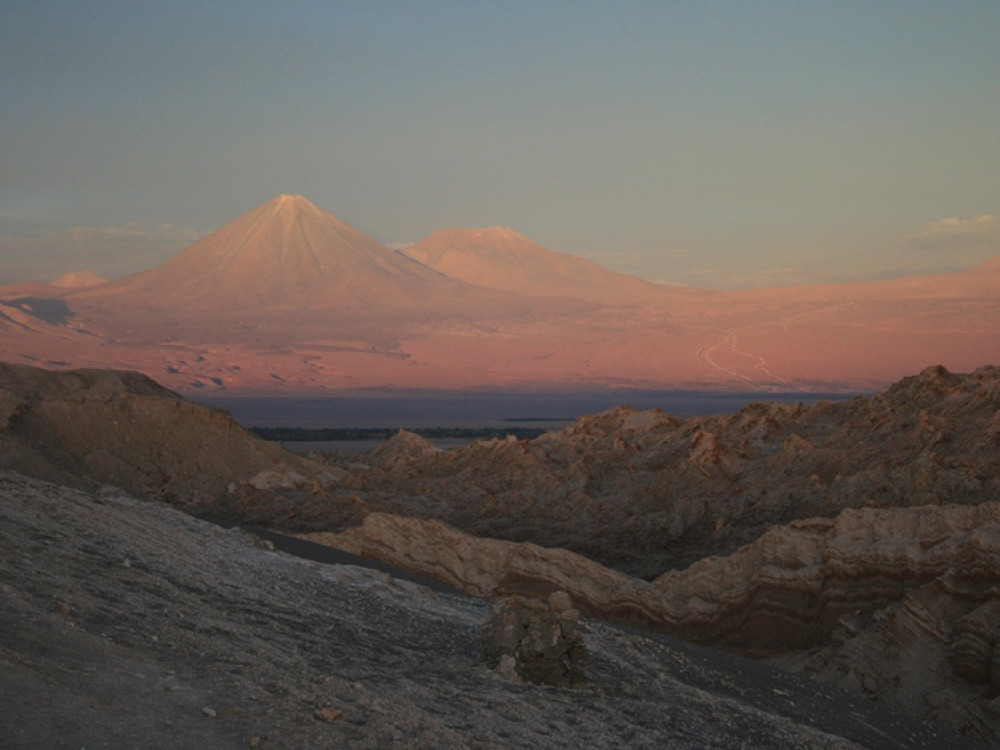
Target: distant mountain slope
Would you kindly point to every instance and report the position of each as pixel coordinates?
(289, 298)
(286, 253)
(500, 258)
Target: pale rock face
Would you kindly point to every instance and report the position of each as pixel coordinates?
(485, 567)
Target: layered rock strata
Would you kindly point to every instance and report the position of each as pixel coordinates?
(124, 623)
(869, 593)
(643, 491)
(855, 540)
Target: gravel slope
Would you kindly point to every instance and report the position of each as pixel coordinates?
(128, 624)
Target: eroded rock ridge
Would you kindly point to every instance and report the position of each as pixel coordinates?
(858, 541)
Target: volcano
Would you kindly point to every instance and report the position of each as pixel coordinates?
(284, 254)
(290, 298)
(500, 258)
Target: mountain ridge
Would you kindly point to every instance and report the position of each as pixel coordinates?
(501, 258)
(897, 602)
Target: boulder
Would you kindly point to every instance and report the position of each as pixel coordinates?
(536, 640)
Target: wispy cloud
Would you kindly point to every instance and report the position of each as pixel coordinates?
(108, 251)
(718, 278)
(130, 231)
(954, 234)
(642, 263)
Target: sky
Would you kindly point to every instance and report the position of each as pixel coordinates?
(704, 143)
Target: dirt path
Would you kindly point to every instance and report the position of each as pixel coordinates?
(708, 355)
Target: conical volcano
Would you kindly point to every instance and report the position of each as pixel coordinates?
(284, 254)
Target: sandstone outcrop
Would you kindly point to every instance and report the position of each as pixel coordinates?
(934, 649)
(489, 568)
(645, 492)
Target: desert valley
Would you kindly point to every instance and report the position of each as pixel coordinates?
(802, 573)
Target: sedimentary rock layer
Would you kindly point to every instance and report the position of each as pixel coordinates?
(124, 623)
(643, 491)
(871, 592)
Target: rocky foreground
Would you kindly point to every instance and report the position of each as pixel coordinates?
(126, 623)
(855, 542)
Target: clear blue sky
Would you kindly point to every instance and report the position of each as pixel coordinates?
(703, 143)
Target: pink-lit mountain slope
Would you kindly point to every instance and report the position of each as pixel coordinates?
(283, 275)
(287, 298)
(286, 253)
(500, 258)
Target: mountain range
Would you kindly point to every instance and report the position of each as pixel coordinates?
(287, 298)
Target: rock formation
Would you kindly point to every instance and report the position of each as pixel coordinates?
(643, 492)
(87, 428)
(536, 640)
(894, 602)
(856, 541)
(828, 531)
